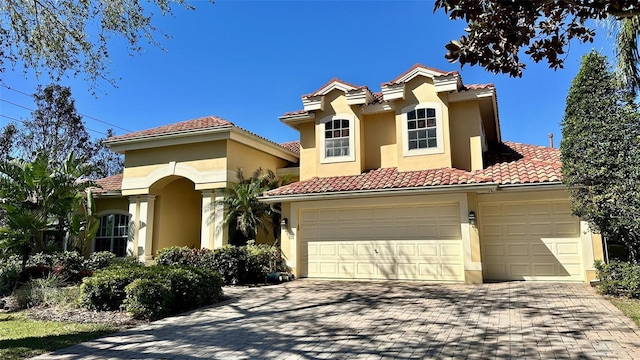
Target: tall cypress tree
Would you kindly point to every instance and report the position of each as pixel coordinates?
(601, 162)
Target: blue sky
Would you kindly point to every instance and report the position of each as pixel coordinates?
(249, 62)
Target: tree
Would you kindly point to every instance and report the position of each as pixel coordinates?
(72, 36)
(244, 212)
(56, 127)
(600, 153)
(498, 30)
(40, 200)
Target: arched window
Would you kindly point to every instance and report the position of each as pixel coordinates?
(113, 234)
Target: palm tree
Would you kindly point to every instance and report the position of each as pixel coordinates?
(626, 49)
(244, 212)
(38, 201)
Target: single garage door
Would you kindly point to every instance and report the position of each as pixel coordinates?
(400, 242)
(532, 240)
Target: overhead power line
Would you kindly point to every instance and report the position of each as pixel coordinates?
(24, 122)
(84, 115)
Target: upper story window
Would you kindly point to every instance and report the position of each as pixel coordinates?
(337, 138)
(422, 129)
(113, 234)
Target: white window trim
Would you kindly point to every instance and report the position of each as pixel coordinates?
(102, 213)
(352, 135)
(439, 130)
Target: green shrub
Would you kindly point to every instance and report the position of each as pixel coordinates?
(149, 298)
(9, 272)
(99, 260)
(237, 265)
(189, 288)
(619, 278)
(105, 289)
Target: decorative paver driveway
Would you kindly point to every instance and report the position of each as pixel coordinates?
(371, 320)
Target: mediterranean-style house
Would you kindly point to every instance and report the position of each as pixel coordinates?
(412, 183)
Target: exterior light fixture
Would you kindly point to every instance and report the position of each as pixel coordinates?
(283, 223)
(472, 217)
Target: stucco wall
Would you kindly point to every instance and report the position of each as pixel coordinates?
(465, 124)
(177, 219)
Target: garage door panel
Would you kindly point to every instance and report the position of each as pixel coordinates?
(536, 240)
(413, 243)
(451, 231)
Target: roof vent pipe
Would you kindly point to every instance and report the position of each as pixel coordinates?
(551, 140)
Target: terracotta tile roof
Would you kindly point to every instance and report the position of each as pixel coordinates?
(387, 178)
(329, 83)
(378, 98)
(515, 163)
(111, 183)
(206, 122)
(292, 146)
(509, 163)
(296, 112)
(477, 87)
(443, 73)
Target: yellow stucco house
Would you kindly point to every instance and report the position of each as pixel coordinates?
(413, 183)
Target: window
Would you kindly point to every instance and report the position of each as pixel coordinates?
(336, 138)
(421, 127)
(113, 234)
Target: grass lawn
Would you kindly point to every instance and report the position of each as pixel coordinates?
(629, 307)
(21, 338)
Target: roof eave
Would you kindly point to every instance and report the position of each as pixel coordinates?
(476, 187)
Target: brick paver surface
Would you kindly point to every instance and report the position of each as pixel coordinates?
(376, 320)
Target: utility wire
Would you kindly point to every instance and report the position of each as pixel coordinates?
(24, 122)
(84, 115)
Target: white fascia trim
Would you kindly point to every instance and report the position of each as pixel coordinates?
(439, 149)
(107, 194)
(419, 71)
(479, 188)
(449, 82)
(554, 185)
(332, 86)
(244, 137)
(313, 103)
(359, 97)
(377, 108)
(352, 139)
(470, 95)
(167, 139)
(393, 92)
(297, 118)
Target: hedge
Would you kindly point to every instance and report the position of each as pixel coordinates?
(236, 264)
(619, 278)
(151, 292)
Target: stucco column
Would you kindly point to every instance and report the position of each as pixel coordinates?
(145, 232)
(134, 221)
(221, 233)
(208, 224)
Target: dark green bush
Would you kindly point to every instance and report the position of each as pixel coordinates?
(236, 264)
(9, 272)
(149, 298)
(189, 288)
(619, 278)
(105, 289)
(99, 260)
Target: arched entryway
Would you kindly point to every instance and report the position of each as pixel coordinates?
(178, 213)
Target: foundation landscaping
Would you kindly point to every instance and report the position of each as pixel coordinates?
(59, 299)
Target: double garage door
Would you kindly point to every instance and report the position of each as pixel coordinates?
(533, 240)
(418, 242)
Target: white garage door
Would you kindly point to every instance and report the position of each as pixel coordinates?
(533, 240)
(409, 243)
